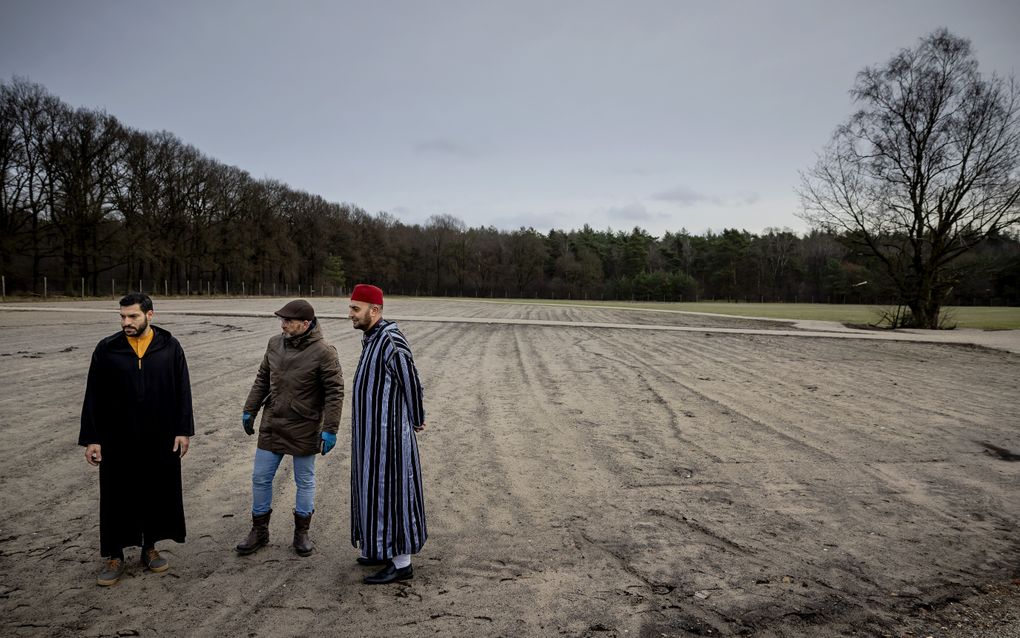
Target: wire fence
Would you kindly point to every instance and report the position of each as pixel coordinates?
(215, 289)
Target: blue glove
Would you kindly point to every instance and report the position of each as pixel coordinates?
(328, 441)
(248, 422)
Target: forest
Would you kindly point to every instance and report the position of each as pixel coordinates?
(91, 207)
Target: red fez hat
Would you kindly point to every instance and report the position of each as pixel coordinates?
(367, 293)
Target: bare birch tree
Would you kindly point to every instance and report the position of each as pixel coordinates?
(924, 171)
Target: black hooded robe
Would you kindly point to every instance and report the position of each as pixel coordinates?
(134, 410)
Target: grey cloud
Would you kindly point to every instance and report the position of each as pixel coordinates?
(444, 147)
(635, 212)
(683, 196)
(641, 172)
(539, 221)
(688, 197)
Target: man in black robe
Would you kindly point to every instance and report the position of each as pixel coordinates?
(136, 421)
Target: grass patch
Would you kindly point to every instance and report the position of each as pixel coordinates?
(981, 317)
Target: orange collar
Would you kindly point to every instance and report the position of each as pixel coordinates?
(141, 344)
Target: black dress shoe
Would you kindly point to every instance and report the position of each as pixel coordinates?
(372, 562)
(390, 574)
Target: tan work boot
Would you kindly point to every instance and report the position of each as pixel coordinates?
(258, 536)
(153, 562)
(111, 572)
(302, 544)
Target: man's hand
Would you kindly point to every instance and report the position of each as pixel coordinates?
(248, 422)
(181, 445)
(328, 441)
(419, 428)
(93, 453)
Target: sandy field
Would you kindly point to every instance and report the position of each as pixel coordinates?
(588, 472)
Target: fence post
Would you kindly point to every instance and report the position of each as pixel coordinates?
(3, 284)
(45, 287)
(83, 289)
(166, 289)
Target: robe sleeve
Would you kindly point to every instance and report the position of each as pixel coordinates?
(186, 424)
(89, 432)
(259, 389)
(406, 376)
(332, 378)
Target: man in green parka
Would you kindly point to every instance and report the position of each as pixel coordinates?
(301, 386)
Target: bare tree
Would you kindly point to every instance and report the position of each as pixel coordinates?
(85, 162)
(924, 171)
(773, 253)
(13, 180)
(527, 252)
(442, 231)
(27, 139)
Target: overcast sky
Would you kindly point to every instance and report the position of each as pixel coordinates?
(551, 114)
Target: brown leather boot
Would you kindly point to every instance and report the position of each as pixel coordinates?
(302, 544)
(258, 536)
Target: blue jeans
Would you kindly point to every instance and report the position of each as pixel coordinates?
(266, 463)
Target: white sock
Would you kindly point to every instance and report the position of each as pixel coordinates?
(402, 561)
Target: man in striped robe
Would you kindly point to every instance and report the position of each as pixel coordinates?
(387, 505)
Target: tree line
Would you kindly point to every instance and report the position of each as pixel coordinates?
(84, 198)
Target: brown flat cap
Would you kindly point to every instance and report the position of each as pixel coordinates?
(297, 309)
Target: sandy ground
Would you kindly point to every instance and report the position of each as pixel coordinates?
(589, 472)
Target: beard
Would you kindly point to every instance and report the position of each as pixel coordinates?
(131, 331)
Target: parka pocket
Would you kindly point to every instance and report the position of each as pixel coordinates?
(305, 412)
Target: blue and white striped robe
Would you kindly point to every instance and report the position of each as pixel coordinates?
(387, 505)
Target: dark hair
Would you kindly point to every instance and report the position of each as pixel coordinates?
(142, 299)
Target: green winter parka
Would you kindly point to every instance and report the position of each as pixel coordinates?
(301, 386)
